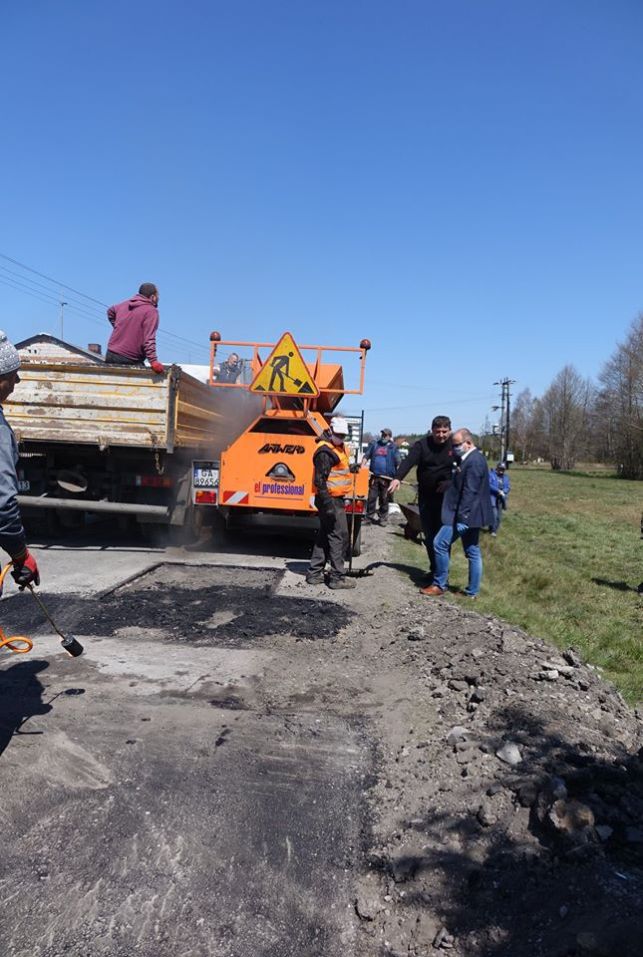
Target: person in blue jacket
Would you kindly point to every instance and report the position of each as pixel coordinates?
(384, 459)
(499, 486)
(466, 508)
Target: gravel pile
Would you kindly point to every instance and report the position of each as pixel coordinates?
(510, 810)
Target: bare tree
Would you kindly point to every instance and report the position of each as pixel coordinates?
(620, 403)
(522, 425)
(565, 409)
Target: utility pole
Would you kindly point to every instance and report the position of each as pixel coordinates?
(62, 316)
(505, 416)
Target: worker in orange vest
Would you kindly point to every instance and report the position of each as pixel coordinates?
(332, 483)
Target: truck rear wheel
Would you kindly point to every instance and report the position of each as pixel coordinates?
(357, 535)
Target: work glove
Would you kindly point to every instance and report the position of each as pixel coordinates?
(355, 468)
(157, 367)
(25, 570)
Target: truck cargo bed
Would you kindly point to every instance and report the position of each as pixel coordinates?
(108, 405)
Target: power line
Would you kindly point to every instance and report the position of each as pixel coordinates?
(47, 297)
(41, 285)
(81, 309)
(55, 281)
(425, 405)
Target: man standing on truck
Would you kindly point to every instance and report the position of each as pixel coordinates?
(332, 482)
(12, 534)
(135, 322)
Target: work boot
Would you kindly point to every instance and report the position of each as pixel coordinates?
(341, 583)
(317, 578)
(432, 591)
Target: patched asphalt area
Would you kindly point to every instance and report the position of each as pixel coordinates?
(225, 606)
(154, 804)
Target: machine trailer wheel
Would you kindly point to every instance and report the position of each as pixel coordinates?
(357, 535)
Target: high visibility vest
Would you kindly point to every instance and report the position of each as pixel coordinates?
(340, 483)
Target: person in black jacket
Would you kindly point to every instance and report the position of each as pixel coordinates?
(433, 457)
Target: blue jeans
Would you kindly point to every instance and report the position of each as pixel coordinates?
(497, 516)
(442, 547)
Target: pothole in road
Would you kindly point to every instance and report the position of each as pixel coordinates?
(208, 604)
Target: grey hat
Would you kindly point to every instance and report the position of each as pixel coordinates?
(9, 358)
(386, 432)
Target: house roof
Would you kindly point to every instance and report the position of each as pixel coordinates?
(54, 340)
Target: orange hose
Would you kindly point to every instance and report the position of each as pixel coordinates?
(8, 642)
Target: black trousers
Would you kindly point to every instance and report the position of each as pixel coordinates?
(331, 542)
(114, 359)
(378, 490)
(431, 519)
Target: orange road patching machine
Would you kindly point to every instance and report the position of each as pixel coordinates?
(265, 476)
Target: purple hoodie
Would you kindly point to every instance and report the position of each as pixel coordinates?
(135, 323)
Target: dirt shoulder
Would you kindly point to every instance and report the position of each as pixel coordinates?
(507, 809)
(243, 764)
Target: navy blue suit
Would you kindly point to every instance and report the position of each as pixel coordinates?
(467, 501)
(466, 509)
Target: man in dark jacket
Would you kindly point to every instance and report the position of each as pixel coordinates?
(12, 534)
(230, 370)
(384, 459)
(433, 457)
(465, 510)
(135, 322)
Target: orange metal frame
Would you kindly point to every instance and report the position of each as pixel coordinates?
(247, 465)
(257, 363)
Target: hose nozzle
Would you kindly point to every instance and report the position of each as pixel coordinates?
(72, 646)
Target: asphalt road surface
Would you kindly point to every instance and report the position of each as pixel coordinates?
(155, 801)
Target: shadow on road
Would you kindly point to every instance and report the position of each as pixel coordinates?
(20, 698)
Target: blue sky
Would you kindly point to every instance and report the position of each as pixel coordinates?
(460, 181)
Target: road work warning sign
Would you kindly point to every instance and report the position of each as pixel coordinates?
(284, 372)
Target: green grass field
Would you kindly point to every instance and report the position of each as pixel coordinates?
(565, 566)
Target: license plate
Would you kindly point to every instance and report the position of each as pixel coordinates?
(205, 475)
(24, 485)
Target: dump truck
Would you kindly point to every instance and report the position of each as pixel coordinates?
(265, 475)
(118, 440)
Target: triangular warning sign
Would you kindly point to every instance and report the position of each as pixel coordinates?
(284, 372)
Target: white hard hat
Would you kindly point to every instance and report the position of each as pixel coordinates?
(339, 425)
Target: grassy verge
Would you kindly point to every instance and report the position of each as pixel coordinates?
(565, 566)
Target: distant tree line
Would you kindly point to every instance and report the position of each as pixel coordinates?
(577, 419)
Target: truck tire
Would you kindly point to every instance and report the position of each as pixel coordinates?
(357, 536)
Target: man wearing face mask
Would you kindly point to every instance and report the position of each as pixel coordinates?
(465, 510)
(333, 483)
(12, 534)
(384, 459)
(433, 458)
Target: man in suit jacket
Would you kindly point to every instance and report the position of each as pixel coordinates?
(465, 510)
